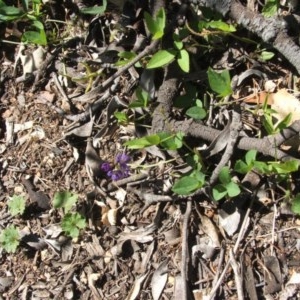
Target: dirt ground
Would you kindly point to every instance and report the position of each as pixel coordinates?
(65, 110)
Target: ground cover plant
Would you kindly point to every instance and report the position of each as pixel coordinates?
(149, 149)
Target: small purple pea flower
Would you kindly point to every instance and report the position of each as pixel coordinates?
(106, 167)
(121, 169)
(117, 175)
(122, 158)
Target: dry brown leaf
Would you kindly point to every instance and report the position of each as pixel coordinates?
(259, 98)
(112, 216)
(272, 275)
(135, 290)
(230, 222)
(159, 280)
(294, 279)
(282, 102)
(285, 103)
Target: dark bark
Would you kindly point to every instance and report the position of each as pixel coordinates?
(162, 122)
(270, 30)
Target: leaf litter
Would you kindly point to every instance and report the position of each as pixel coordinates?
(128, 235)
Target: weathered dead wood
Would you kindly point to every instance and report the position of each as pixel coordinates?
(162, 122)
(270, 30)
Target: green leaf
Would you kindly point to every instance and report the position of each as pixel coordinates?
(125, 58)
(232, 189)
(296, 205)
(10, 239)
(171, 141)
(121, 117)
(186, 185)
(16, 205)
(37, 24)
(143, 142)
(177, 42)
(219, 192)
(195, 161)
(150, 23)
(268, 124)
(160, 23)
(261, 166)
(35, 37)
(219, 82)
(143, 98)
(156, 25)
(196, 113)
(266, 55)
(199, 103)
(270, 8)
(221, 26)
(284, 123)
(241, 167)
(225, 176)
(72, 223)
(64, 200)
(25, 4)
(183, 60)
(250, 156)
(137, 103)
(161, 58)
(95, 10)
(199, 176)
(127, 55)
(284, 167)
(11, 11)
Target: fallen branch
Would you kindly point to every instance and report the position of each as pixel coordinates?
(271, 30)
(185, 250)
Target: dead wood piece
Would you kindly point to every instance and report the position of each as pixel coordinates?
(185, 259)
(220, 263)
(237, 275)
(115, 185)
(250, 283)
(235, 128)
(166, 93)
(149, 198)
(271, 30)
(267, 145)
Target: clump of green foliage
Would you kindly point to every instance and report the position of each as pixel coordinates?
(16, 205)
(72, 222)
(10, 239)
(29, 11)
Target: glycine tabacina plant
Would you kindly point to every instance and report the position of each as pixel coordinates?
(120, 169)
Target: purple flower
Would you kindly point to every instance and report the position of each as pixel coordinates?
(117, 175)
(106, 167)
(121, 169)
(125, 170)
(122, 158)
